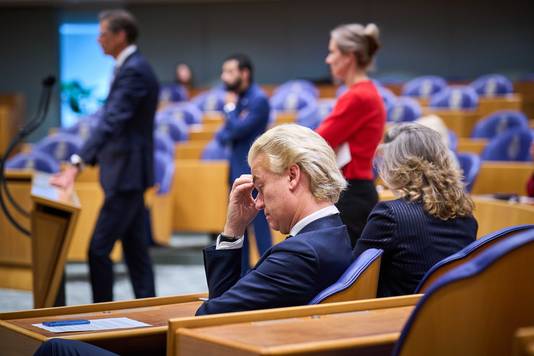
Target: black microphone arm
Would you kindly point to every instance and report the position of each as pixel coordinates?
(25, 131)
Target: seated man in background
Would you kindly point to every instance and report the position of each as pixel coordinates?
(297, 180)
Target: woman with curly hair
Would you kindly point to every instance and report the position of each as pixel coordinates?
(432, 217)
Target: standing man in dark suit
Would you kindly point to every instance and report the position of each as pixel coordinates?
(246, 117)
(122, 146)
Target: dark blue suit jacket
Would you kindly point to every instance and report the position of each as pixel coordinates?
(288, 274)
(122, 143)
(413, 241)
(242, 126)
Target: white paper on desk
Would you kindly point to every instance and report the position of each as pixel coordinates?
(96, 325)
(343, 155)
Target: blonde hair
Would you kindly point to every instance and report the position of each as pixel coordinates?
(415, 162)
(290, 144)
(363, 41)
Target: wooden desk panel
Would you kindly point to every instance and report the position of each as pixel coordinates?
(488, 105)
(471, 145)
(503, 177)
(524, 342)
(16, 331)
(319, 329)
(493, 214)
(190, 149)
(461, 122)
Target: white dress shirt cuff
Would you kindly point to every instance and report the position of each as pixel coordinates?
(229, 245)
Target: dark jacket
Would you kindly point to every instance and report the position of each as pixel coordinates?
(413, 241)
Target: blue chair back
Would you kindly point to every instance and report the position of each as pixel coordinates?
(173, 92)
(35, 160)
(163, 172)
(470, 165)
(163, 143)
(83, 127)
(492, 85)
(453, 141)
(291, 101)
(359, 281)
(176, 129)
(424, 87)
(212, 100)
(455, 98)
(475, 308)
(297, 86)
(60, 145)
(184, 111)
(498, 122)
(215, 151)
(512, 145)
(403, 110)
(388, 97)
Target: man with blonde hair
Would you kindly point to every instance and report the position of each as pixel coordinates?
(295, 174)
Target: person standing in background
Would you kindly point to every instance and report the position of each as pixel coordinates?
(246, 117)
(122, 146)
(356, 125)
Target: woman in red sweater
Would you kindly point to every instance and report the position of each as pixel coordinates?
(356, 125)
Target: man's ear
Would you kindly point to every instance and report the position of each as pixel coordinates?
(294, 175)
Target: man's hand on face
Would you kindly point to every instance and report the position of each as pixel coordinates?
(65, 179)
(230, 98)
(241, 207)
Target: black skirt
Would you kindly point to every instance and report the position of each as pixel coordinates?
(355, 205)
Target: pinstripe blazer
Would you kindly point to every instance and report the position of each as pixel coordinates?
(413, 241)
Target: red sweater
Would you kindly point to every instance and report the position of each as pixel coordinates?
(358, 118)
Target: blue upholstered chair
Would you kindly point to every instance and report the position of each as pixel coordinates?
(455, 98)
(176, 129)
(173, 92)
(498, 122)
(424, 87)
(308, 115)
(215, 151)
(512, 145)
(291, 100)
(297, 86)
(404, 109)
(475, 308)
(388, 97)
(470, 165)
(359, 281)
(184, 111)
(212, 100)
(83, 127)
(163, 172)
(466, 254)
(163, 143)
(35, 160)
(492, 85)
(60, 146)
(453, 141)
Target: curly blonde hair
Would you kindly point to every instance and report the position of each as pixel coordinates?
(414, 161)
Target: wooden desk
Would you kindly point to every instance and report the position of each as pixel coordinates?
(493, 214)
(526, 90)
(201, 195)
(202, 133)
(503, 177)
(19, 337)
(286, 117)
(190, 149)
(471, 145)
(53, 219)
(460, 121)
(15, 247)
(524, 342)
(327, 329)
(12, 109)
(488, 105)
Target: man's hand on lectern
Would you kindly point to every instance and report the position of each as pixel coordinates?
(65, 179)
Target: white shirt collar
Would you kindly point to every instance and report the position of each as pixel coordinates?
(329, 210)
(125, 53)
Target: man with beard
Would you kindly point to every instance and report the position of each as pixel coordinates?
(246, 117)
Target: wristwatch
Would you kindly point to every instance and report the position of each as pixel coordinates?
(226, 238)
(229, 107)
(76, 161)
